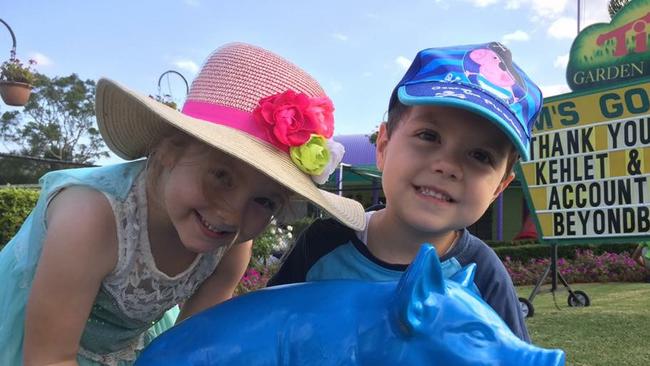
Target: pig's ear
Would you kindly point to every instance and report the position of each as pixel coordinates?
(414, 303)
(465, 276)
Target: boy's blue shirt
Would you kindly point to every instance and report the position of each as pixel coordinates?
(328, 250)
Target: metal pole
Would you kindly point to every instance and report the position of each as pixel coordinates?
(12, 53)
(375, 192)
(340, 179)
(500, 217)
(578, 17)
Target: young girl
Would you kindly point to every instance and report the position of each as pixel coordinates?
(98, 267)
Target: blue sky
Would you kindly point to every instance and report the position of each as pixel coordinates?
(358, 50)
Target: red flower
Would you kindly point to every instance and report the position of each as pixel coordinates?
(291, 118)
(321, 110)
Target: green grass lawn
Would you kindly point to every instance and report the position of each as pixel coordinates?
(613, 331)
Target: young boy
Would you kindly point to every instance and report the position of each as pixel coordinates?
(457, 122)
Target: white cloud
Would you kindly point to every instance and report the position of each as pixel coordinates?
(41, 59)
(366, 74)
(340, 36)
(513, 4)
(516, 36)
(194, 3)
(563, 28)
(484, 3)
(548, 9)
(403, 62)
(596, 13)
(188, 65)
(442, 4)
(561, 61)
(551, 90)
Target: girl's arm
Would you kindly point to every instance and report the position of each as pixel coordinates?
(79, 250)
(222, 283)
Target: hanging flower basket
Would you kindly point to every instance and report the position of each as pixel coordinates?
(15, 93)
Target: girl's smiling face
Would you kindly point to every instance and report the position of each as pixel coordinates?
(213, 199)
(442, 167)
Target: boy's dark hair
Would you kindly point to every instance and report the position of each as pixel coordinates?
(400, 110)
(395, 115)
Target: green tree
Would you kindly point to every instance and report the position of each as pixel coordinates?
(615, 6)
(58, 122)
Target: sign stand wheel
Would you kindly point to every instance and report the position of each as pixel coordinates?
(527, 307)
(578, 299)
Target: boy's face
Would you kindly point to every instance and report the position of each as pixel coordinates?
(442, 167)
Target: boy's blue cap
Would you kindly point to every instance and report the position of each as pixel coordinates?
(480, 78)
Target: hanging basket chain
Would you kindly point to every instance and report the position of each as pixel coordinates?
(187, 87)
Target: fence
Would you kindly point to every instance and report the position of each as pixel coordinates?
(26, 170)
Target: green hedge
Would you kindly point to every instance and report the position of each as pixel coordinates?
(15, 205)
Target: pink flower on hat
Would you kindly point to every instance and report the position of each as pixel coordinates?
(302, 126)
(288, 119)
(321, 111)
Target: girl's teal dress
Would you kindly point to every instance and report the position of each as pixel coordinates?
(135, 303)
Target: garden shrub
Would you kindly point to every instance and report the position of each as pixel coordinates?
(586, 266)
(275, 240)
(256, 278)
(514, 243)
(15, 205)
(300, 225)
(524, 253)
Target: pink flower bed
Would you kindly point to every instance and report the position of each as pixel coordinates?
(586, 267)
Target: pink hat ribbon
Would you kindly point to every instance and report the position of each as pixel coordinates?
(226, 116)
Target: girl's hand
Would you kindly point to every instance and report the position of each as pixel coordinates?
(79, 250)
(222, 282)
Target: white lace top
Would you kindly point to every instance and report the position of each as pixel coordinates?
(136, 293)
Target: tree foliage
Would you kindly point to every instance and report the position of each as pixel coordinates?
(615, 6)
(57, 123)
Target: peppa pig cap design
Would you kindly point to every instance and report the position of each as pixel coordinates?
(480, 78)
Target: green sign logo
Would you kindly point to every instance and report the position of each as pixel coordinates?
(611, 53)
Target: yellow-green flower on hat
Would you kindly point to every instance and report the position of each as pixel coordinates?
(311, 157)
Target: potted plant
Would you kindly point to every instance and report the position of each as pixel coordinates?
(166, 100)
(16, 81)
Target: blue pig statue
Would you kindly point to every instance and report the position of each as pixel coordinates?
(421, 320)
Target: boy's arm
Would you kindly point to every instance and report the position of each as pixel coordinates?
(498, 290)
(505, 302)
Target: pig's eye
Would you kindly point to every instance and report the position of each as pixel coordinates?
(480, 331)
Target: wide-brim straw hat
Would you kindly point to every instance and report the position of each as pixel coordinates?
(228, 88)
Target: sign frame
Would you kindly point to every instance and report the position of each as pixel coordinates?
(526, 186)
